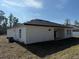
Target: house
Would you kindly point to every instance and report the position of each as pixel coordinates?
(39, 31)
(75, 32)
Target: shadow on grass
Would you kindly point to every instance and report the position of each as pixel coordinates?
(47, 48)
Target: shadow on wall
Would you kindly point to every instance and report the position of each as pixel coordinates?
(47, 48)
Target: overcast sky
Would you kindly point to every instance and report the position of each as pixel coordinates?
(52, 10)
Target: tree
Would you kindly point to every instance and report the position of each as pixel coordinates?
(4, 25)
(3, 22)
(67, 22)
(76, 23)
(2, 17)
(15, 21)
(10, 20)
(1, 13)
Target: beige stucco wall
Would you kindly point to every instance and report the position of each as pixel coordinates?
(66, 35)
(60, 34)
(23, 34)
(11, 33)
(14, 32)
(33, 34)
(39, 34)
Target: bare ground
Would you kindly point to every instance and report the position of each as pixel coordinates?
(64, 49)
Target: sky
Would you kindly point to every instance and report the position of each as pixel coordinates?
(51, 10)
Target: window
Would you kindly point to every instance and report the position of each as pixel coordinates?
(68, 32)
(20, 33)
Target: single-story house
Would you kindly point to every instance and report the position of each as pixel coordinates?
(39, 31)
(75, 32)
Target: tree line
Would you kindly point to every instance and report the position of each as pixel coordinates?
(11, 21)
(7, 22)
(68, 22)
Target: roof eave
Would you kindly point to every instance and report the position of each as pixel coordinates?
(46, 25)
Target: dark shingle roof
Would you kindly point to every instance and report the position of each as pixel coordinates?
(38, 22)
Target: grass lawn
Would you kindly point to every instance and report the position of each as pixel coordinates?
(63, 49)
